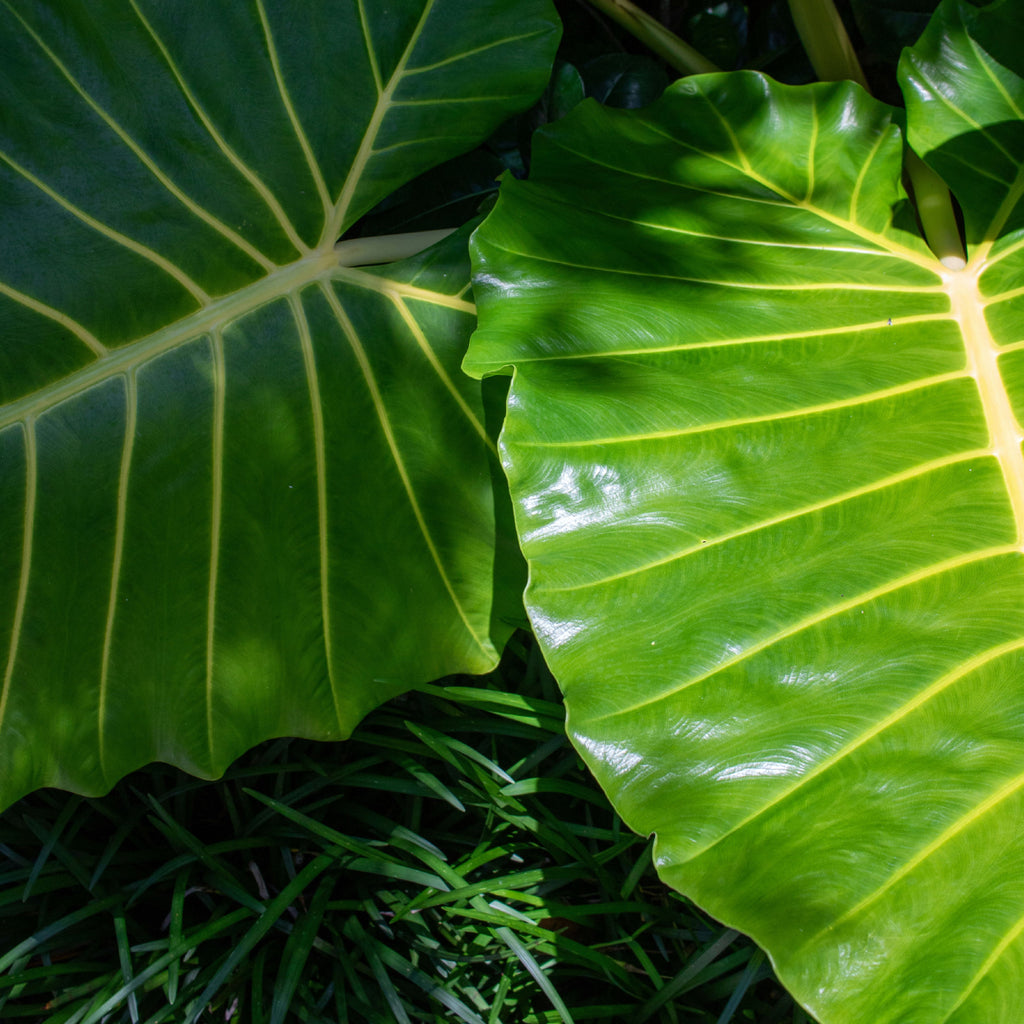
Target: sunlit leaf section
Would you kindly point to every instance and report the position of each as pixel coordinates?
(765, 453)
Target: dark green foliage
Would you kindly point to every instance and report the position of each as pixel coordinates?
(461, 868)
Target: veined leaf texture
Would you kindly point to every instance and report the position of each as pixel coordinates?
(245, 490)
(765, 454)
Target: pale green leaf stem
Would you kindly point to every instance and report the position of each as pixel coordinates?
(826, 41)
(833, 58)
(653, 33)
(934, 207)
(357, 252)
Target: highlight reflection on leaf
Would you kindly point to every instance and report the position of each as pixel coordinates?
(783, 593)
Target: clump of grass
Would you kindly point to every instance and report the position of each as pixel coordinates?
(453, 861)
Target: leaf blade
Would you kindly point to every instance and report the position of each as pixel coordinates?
(199, 546)
(765, 457)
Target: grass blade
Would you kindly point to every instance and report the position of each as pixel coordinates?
(296, 951)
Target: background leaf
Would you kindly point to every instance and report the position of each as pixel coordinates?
(765, 455)
(245, 491)
(624, 80)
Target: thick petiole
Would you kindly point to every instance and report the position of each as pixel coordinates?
(365, 252)
(665, 44)
(826, 41)
(935, 208)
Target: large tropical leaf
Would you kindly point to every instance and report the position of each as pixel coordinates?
(765, 454)
(243, 489)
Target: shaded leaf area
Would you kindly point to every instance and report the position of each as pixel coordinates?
(765, 456)
(466, 186)
(245, 490)
(158, 156)
(422, 871)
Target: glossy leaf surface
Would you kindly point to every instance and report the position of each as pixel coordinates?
(765, 453)
(244, 489)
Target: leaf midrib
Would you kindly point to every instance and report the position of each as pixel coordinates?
(225, 309)
(335, 220)
(217, 313)
(967, 308)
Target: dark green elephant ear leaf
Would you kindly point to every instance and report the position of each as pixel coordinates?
(765, 456)
(244, 489)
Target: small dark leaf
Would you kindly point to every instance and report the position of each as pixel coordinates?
(564, 91)
(444, 197)
(624, 80)
(889, 25)
(719, 31)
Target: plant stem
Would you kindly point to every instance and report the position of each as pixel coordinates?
(833, 58)
(827, 44)
(935, 208)
(363, 252)
(652, 33)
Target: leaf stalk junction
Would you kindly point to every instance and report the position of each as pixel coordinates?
(367, 252)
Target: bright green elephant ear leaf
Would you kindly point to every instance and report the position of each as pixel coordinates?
(765, 454)
(244, 489)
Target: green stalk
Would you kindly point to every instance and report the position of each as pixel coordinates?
(828, 46)
(653, 34)
(935, 208)
(832, 56)
(364, 252)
